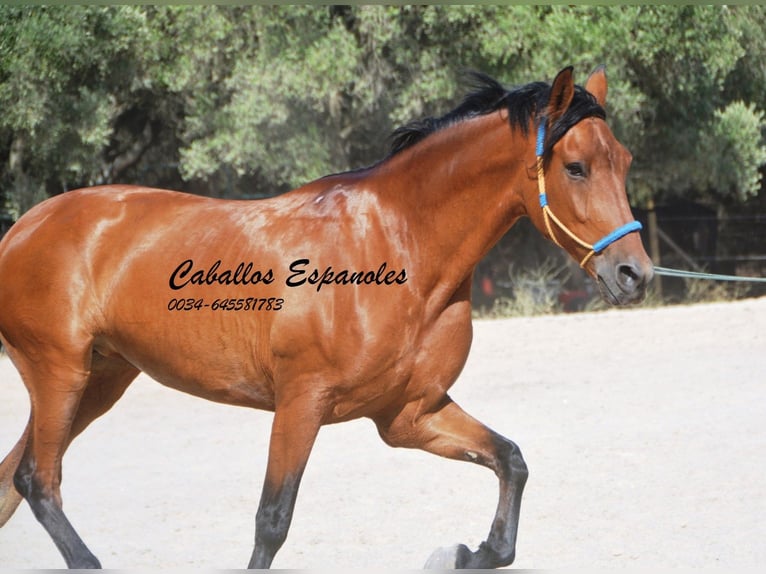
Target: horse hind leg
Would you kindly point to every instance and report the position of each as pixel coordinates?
(38, 476)
(107, 382)
(9, 496)
(109, 378)
(64, 402)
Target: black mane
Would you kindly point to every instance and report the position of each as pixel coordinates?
(488, 95)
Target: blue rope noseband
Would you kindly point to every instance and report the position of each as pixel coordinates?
(548, 215)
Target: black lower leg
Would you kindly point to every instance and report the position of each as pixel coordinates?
(500, 547)
(272, 521)
(47, 509)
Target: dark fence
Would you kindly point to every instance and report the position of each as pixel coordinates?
(685, 235)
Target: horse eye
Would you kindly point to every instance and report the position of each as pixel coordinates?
(575, 170)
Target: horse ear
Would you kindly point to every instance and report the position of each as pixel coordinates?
(596, 85)
(562, 92)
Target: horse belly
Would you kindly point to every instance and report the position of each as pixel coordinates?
(223, 376)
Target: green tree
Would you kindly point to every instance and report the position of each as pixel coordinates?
(674, 72)
(324, 87)
(253, 100)
(65, 75)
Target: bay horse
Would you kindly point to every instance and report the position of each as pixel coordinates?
(348, 297)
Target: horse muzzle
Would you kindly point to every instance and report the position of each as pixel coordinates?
(623, 280)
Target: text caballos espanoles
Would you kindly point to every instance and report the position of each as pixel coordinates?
(299, 272)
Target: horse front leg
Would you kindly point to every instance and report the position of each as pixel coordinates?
(293, 433)
(452, 433)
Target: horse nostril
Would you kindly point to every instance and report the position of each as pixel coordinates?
(629, 277)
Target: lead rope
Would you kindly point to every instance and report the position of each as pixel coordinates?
(548, 215)
(710, 276)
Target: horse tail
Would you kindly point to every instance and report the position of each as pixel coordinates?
(9, 496)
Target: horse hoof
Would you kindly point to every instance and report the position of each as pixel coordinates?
(449, 558)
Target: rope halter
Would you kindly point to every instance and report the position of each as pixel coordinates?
(549, 217)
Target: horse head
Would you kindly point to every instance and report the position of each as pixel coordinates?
(582, 204)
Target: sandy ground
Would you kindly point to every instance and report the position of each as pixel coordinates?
(644, 431)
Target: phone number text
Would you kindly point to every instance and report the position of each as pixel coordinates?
(228, 304)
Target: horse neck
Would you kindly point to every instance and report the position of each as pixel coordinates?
(462, 188)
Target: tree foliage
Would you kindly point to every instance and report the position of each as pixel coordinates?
(248, 101)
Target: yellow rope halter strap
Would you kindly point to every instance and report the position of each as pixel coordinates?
(548, 216)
